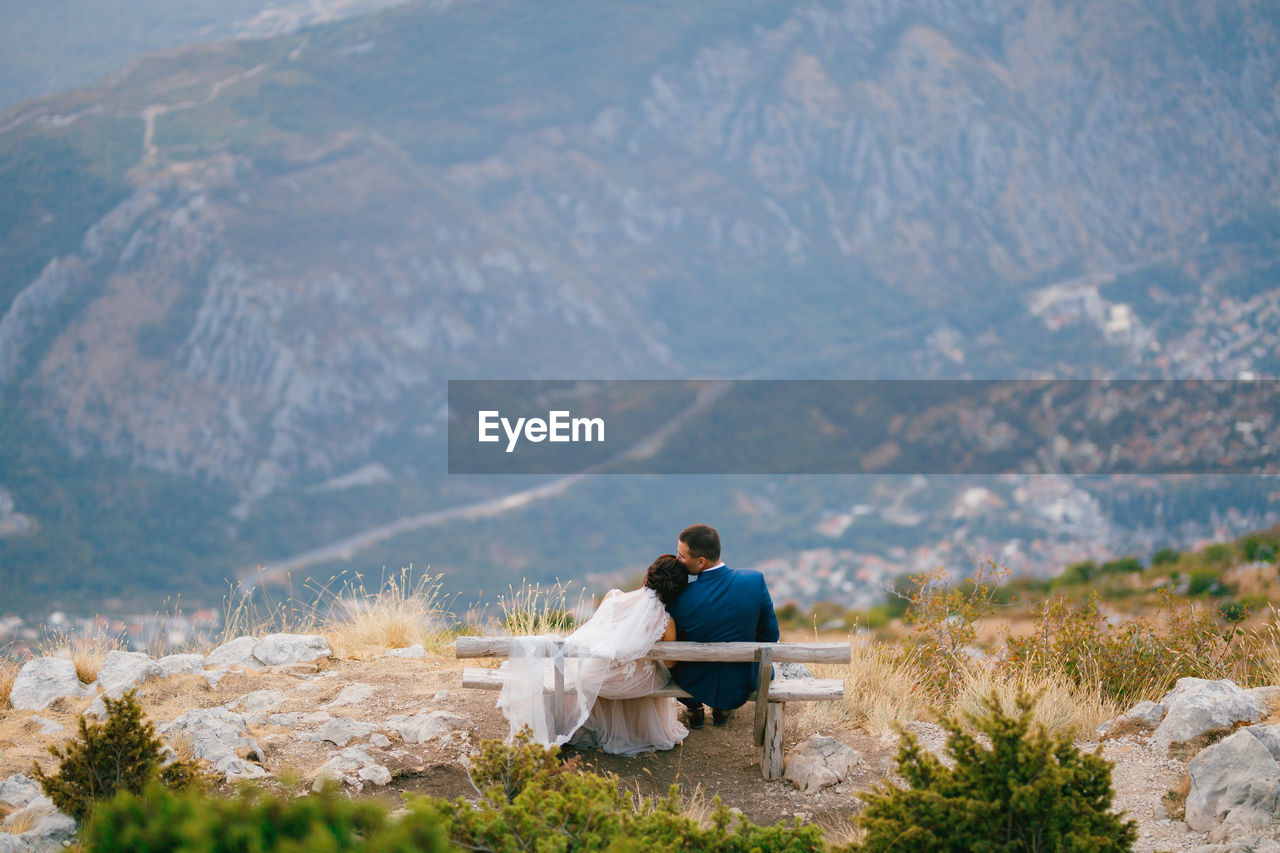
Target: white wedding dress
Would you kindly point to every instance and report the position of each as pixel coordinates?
(605, 682)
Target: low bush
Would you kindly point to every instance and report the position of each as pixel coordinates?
(529, 800)
(164, 821)
(1133, 660)
(122, 753)
(1028, 791)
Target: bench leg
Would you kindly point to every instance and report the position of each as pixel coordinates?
(771, 751)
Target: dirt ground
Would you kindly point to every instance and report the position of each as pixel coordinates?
(712, 761)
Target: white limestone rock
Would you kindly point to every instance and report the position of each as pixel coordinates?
(237, 652)
(820, 761)
(1196, 706)
(221, 737)
(352, 695)
(18, 791)
(171, 665)
(341, 731)
(283, 649)
(422, 727)
(414, 651)
(124, 670)
(258, 700)
(42, 680)
(1235, 782)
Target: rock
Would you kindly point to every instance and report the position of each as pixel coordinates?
(50, 829)
(375, 773)
(283, 649)
(258, 700)
(124, 670)
(791, 670)
(353, 695)
(19, 791)
(379, 740)
(1269, 736)
(1146, 712)
(237, 652)
(213, 676)
(42, 680)
(48, 727)
(293, 719)
(171, 665)
(820, 761)
(1234, 782)
(1267, 697)
(420, 728)
(218, 735)
(1196, 706)
(341, 731)
(346, 767)
(414, 651)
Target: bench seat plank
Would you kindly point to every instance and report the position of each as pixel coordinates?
(780, 689)
(499, 647)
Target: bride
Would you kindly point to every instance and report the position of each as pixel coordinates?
(606, 684)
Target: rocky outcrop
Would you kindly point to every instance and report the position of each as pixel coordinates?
(42, 680)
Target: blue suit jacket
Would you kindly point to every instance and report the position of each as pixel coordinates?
(726, 605)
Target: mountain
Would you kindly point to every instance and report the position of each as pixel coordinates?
(235, 273)
(61, 44)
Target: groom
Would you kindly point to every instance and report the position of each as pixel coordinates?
(719, 605)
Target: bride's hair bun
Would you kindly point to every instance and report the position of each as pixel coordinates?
(667, 577)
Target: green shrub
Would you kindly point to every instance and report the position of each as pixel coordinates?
(1205, 582)
(1219, 552)
(1077, 574)
(1029, 791)
(531, 801)
(1164, 557)
(120, 753)
(254, 820)
(1122, 566)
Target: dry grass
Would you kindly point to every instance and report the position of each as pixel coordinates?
(8, 672)
(881, 691)
(1175, 799)
(23, 821)
(87, 652)
(405, 611)
(1060, 704)
(533, 609)
(359, 623)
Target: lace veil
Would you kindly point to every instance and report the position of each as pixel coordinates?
(600, 658)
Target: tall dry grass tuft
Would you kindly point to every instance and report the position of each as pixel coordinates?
(404, 611)
(8, 672)
(255, 611)
(882, 690)
(1061, 705)
(87, 652)
(533, 609)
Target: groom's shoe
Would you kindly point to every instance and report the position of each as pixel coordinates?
(720, 716)
(695, 717)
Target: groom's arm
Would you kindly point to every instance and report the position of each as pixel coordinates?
(767, 624)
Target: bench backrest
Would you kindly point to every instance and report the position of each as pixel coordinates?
(486, 647)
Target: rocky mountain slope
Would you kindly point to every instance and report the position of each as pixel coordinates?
(252, 265)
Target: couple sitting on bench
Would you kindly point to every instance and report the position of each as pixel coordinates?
(608, 683)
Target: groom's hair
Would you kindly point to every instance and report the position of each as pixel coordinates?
(667, 577)
(702, 541)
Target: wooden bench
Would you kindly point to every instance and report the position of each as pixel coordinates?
(770, 696)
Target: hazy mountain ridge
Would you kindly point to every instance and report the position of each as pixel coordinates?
(321, 228)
